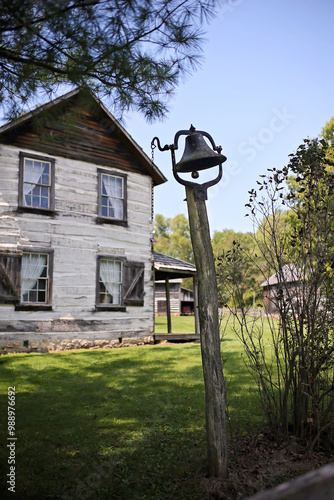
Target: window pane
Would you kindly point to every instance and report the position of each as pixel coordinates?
(36, 182)
(110, 281)
(112, 196)
(45, 179)
(104, 208)
(28, 176)
(46, 167)
(112, 207)
(42, 285)
(28, 199)
(44, 203)
(35, 277)
(119, 209)
(119, 187)
(36, 191)
(44, 272)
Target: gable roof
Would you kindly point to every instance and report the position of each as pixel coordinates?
(95, 121)
(289, 274)
(169, 267)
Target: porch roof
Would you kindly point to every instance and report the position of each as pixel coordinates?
(169, 267)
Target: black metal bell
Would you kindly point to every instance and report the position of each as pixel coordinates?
(198, 155)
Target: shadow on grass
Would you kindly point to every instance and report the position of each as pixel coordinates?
(114, 424)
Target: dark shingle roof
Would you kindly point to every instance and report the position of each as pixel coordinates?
(166, 266)
(289, 274)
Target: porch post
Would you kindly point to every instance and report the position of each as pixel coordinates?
(169, 321)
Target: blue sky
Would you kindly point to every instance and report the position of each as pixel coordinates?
(266, 83)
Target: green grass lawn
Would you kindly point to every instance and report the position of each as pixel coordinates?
(116, 424)
(180, 324)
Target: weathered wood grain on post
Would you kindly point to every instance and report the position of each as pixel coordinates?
(169, 321)
(315, 485)
(209, 333)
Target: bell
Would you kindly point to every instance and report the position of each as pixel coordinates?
(197, 155)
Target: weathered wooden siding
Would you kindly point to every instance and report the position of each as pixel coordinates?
(174, 292)
(177, 295)
(174, 305)
(85, 135)
(77, 239)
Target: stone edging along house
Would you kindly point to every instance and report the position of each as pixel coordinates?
(76, 263)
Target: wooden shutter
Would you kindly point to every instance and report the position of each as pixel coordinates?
(133, 283)
(10, 277)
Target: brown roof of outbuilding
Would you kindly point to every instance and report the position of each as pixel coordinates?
(167, 266)
(289, 274)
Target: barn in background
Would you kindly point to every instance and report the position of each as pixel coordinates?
(282, 289)
(181, 298)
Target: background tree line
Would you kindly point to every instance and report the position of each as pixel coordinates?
(172, 237)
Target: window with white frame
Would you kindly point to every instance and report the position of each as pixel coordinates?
(36, 182)
(35, 278)
(110, 282)
(119, 283)
(112, 197)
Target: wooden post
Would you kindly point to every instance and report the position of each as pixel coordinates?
(317, 484)
(169, 321)
(197, 329)
(210, 336)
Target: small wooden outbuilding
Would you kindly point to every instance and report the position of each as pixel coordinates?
(285, 285)
(181, 298)
(172, 297)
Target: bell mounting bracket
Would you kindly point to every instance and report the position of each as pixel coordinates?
(200, 190)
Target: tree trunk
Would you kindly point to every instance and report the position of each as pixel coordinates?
(210, 336)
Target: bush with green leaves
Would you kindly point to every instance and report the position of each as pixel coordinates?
(292, 212)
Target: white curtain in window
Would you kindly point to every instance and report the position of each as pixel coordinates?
(113, 186)
(32, 268)
(30, 179)
(111, 275)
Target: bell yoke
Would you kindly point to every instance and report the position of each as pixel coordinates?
(197, 156)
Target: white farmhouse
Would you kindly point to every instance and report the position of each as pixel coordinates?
(76, 264)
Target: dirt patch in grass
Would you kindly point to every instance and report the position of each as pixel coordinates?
(259, 463)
